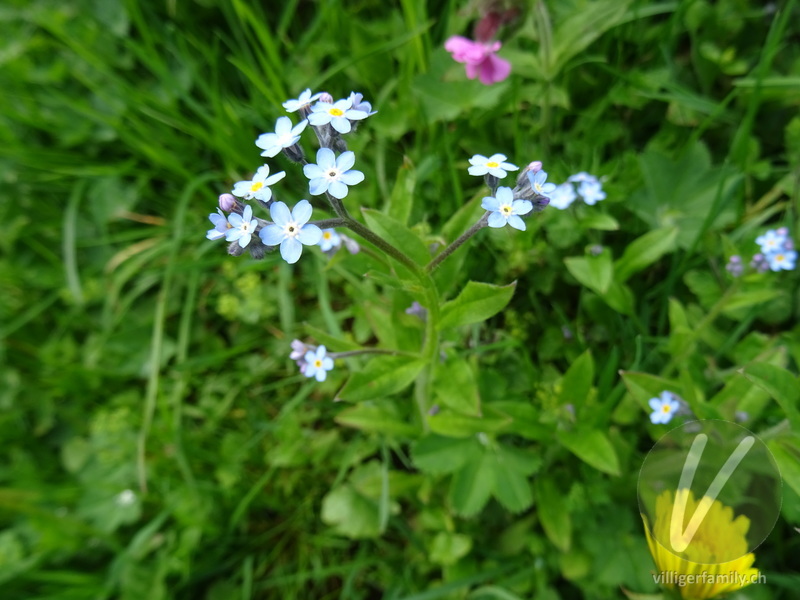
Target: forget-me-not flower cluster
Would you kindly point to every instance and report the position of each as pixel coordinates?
(581, 185)
(777, 251)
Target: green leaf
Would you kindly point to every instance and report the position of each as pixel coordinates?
(476, 303)
(437, 454)
(447, 548)
(577, 382)
(472, 485)
(592, 447)
(398, 235)
(620, 298)
(524, 420)
(376, 418)
(597, 220)
(350, 513)
(402, 200)
(778, 383)
(383, 376)
(453, 424)
(643, 386)
(553, 514)
(787, 455)
(595, 272)
(455, 386)
(644, 251)
(331, 342)
(511, 488)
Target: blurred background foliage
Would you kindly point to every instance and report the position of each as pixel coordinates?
(138, 356)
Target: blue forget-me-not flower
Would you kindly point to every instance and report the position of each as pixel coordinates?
(291, 230)
(505, 209)
(332, 174)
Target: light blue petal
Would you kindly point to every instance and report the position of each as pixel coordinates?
(310, 357)
(356, 115)
(214, 234)
(521, 207)
(264, 194)
(346, 160)
(351, 177)
(516, 222)
(498, 172)
(490, 203)
(275, 178)
(478, 170)
(244, 240)
(298, 129)
(548, 187)
(654, 403)
(320, 375)
(478, 159)
(247, 213)
(301, 212)
(280, 213)
(233, 234)
(337, 189)
(326, 159)
(327, 363)
(341, 124)
(318, 119)
(321, 351)
(266, 140)
(236, 219)
(309, 235)
(504, 195)
(311, 171)
(271, 235)
(283, 125)
(291, 250)
(318, 186)
(241, 188)
(497, 220)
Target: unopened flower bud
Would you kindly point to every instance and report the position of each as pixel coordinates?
(295, 153)
(534, 167)
(227, 202)
(782, 231)
(234, 249)
(326, 97)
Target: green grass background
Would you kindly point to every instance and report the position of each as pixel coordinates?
(138, 355)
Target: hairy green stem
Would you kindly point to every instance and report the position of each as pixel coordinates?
(431, 267)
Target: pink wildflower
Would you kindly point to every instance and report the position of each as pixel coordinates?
(480, 59)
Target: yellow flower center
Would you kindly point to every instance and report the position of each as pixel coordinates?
(336, 112)
(665, 408)
(326, 235)
(491, 164)
(256, 185)
(318, 364)
(779, 257)
(506, 209)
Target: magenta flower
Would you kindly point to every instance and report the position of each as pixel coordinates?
(480, 59)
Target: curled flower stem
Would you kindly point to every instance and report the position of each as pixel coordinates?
(482, 222)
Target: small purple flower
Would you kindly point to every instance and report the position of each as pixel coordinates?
(227, 202)
(332, 174)
(242, 227)
(735, 266)
(291, 230)
(299, 350)
(760, 263)
(417, 310)
(505, 209)
(318, 364)
(338, 115)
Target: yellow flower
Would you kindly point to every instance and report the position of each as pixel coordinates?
(698, 572)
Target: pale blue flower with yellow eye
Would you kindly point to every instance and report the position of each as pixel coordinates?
(258, 187)
(221, 226)
(242, 227)
(317, 363)
(771, 241)
(563, 196)
(358, 103)
(285, 136)
(538, 184)
(304, 101)
(332, 174)
(664, 408)
(505, 209)
(495, 165)
(338, 114)
(330, 240)
(291, 230)
(591, 192)
(782, 260)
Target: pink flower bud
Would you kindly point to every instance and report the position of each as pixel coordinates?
(534, 167)
(227, 202)
(326, 97)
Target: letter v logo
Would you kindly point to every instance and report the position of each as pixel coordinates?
(680, 540)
